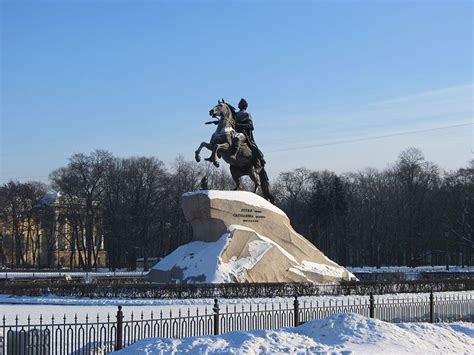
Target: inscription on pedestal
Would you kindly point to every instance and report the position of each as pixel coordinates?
(249, 215)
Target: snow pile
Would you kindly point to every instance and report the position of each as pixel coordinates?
(195, 258)
(341, 333)
(322, 269)
(201, 261)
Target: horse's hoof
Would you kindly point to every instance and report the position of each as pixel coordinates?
(208, 159)
(197, 157)
(216, 164)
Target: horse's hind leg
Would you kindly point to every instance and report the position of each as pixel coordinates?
(236, 175)
(254, 176)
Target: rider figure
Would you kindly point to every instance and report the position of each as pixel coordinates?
(244, 125)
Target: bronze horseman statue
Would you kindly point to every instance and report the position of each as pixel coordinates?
(233, 141)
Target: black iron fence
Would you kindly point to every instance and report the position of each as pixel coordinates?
(95, 336)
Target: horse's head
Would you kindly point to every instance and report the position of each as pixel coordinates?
(222, 110)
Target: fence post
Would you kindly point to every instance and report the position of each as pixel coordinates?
(372, 305)
(296, 306)
(431, 307)
(119, 330)
(216, 317)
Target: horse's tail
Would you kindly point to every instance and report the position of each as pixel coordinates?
(265, 183)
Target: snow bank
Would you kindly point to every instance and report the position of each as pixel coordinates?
(340, 334)
(196, 260)
(201, 261)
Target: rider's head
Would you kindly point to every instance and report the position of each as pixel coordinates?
(243, 104)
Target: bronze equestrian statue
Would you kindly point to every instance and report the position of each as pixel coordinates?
(233, 141)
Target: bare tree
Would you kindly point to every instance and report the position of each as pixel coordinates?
(81, 181)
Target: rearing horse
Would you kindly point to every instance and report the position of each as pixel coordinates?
(221, 140)
(243, 162)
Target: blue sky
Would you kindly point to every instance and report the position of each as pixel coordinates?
(138, 78)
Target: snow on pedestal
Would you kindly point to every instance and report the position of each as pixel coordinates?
(241, 237)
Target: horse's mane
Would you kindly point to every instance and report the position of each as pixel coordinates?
(232, 109)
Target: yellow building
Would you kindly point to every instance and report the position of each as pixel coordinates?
(47, 238)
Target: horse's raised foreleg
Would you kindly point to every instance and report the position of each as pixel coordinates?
(202, 145)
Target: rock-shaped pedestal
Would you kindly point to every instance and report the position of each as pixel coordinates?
(241, 237)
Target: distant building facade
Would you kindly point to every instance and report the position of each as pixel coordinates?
(50, 237)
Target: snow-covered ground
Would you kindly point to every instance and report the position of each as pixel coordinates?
(12, 274)
(332, 334)
(48, 306)
(407, 269)
(63, 274)
(342, 333)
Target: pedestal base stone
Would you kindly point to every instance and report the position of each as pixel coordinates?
(240, 237)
